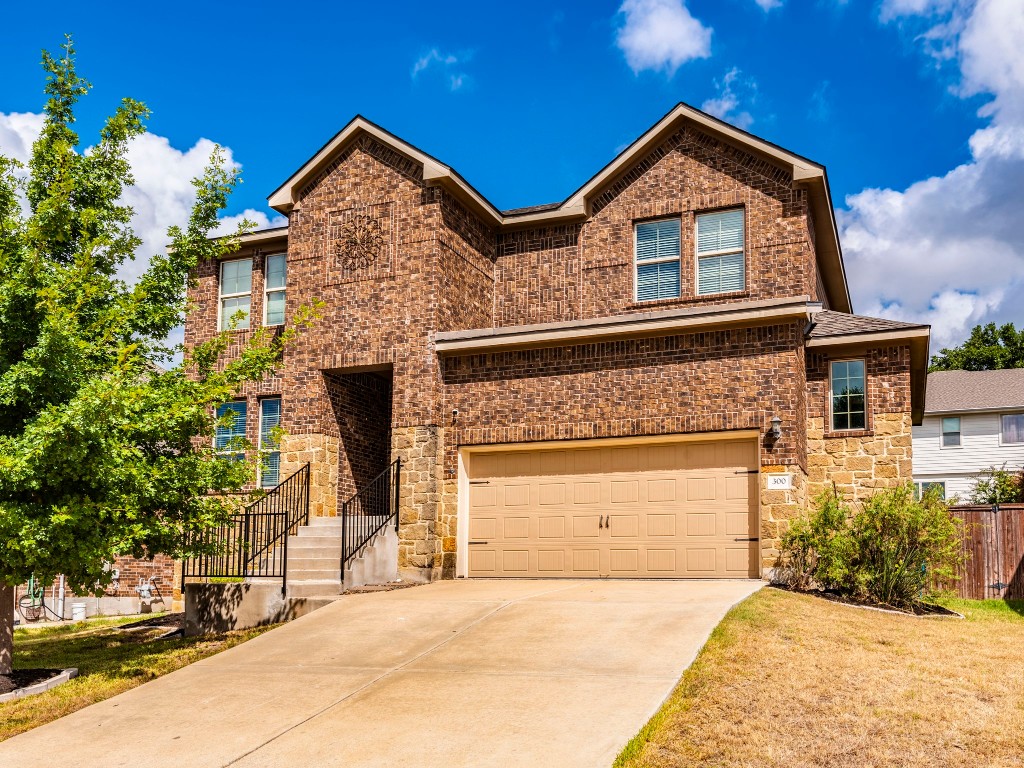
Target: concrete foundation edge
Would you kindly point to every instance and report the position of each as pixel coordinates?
(218, 608)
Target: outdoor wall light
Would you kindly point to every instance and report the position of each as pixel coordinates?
(776, 431)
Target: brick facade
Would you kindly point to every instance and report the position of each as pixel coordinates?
(365, 384)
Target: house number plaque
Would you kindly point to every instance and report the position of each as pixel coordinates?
(780, 482)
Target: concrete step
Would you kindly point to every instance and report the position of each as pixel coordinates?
(313, 588)
(315, 552)
(315, 541)
(297, 562)
(314, 574)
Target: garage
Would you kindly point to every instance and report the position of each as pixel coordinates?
(625, 509)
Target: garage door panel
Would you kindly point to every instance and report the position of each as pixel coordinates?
(659, 511)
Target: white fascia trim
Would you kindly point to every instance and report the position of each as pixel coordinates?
(639, 324)
(974, 411)
(868, 338)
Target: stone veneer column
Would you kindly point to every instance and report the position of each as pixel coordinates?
(860, 465)
(777, 509)
(419, 448)
(321, 453)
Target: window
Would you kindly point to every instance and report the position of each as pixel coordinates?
(230, 435)
(235, 291)
(920, 489)
(951, 432)
(720, 266)
(1012, 427)
(848, 410)
(274, 279)
(657, 260)
(270, 419)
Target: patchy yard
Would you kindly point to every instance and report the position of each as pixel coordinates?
(792, 680)
(109, 660)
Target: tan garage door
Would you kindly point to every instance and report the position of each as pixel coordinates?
(672, 510)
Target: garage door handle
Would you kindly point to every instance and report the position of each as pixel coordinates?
(479, 482)
(752, 538)
(747, 471)
(479, 542)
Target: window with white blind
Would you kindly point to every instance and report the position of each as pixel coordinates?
(270, 453)
(720, 267)
(235, 292)
(657, 260)
(229, 438)
(274, 278)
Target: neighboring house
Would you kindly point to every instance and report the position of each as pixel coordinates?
(974, 420)
(647, 379)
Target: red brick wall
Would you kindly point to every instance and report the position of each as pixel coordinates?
(361, 403)
(888, 380)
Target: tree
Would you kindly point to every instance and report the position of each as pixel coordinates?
(989, 348)
(102, 451)
(998, 485)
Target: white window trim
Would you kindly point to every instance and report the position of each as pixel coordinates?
(221, 295)
(942, 434)
(697, 255)
(659, 260)
(267, 291)
(1019, 444)
(919, 487)
(831, 421)
(259, 437)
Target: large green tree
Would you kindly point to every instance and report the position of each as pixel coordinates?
(103, 451)
(989, 347)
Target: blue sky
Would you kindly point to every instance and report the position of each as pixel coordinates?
(885, 94)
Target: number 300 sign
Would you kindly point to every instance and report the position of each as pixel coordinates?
(780, 482)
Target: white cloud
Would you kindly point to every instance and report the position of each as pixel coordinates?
(446, 63)
(767, 5)
(661, 35)
(726, 105)
(162, 194)
(949, 250)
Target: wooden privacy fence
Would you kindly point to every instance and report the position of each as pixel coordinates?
(995, 551)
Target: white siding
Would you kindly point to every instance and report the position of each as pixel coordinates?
(957, 467)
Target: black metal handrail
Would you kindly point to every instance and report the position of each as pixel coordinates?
(369, 511)
(254, 542)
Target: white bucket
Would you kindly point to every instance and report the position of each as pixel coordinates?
(78, 611)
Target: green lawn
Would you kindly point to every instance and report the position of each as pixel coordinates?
(793, 680)
(109, 661)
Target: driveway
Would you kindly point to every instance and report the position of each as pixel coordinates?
(455, 673)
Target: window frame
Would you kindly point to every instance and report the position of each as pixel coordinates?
(959, 433)
(1003, 441)
(742, 250)
(259, 446)
(221, 296)
(238, 455)
(267, 290)
(678, 259)
(830, 396)
(919, 489)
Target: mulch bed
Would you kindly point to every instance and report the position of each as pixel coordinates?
(23, 678)
(917, 609)
(169, 620)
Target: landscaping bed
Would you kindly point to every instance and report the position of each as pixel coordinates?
(915, 609)
(791, 680)
(25, 678)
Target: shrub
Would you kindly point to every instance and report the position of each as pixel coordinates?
(998, 486)
(893, 549)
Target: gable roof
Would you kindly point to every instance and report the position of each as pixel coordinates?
(961, 391)
(577, 206)
(827, 323)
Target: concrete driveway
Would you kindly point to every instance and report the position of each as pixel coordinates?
(456, 673)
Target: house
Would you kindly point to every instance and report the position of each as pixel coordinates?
(974, 420)
(646, 379)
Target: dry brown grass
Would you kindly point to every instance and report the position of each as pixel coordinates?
(793, 680)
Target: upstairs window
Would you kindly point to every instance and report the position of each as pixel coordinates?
(235, 291)
(720, 266)
(951, 432)
(1012, 425)
(270, 420)
(274, 279)
(657, 260)
(229, 439)
(848, 411)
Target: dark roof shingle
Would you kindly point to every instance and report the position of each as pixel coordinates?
(828, 323)
(950, 391)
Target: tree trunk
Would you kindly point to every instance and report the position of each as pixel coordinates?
(6, 628)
